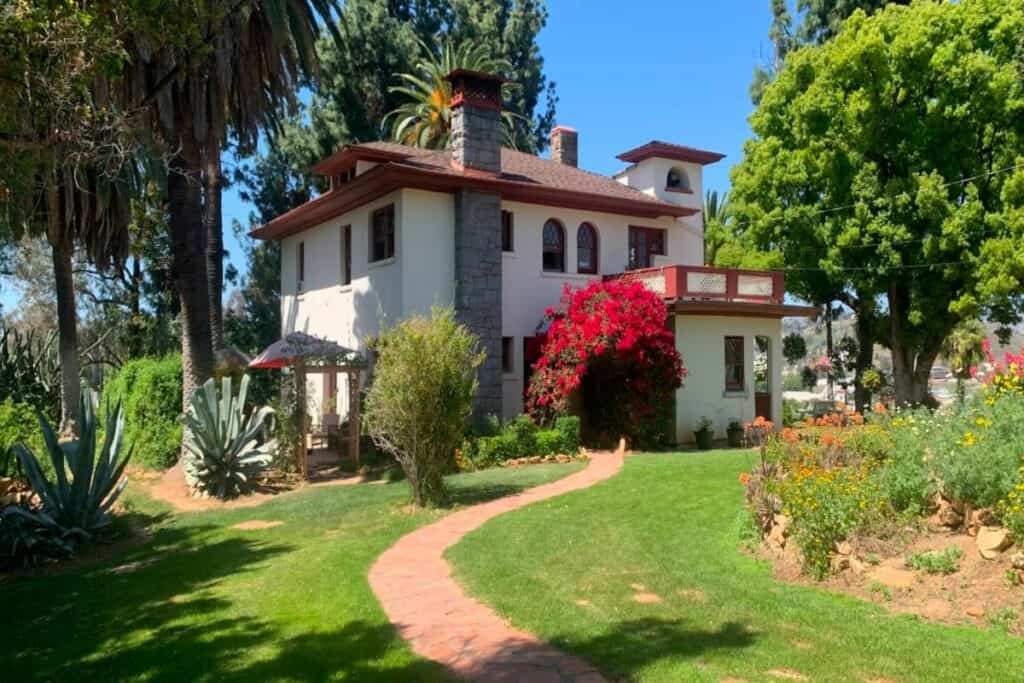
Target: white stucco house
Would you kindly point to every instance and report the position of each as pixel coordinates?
(497, 233)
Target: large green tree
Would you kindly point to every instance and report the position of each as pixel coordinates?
(885, 167)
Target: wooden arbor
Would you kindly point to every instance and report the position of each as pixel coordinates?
(306, 355)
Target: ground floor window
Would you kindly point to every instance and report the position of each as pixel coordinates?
(508, 364)
(644, 245)
(734, 365)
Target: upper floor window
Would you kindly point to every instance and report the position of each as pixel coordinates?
(300, 267)
(554, 247)
(506, 231)
(507, 357)
(346, 255)
(382, 233)
(677, 180)
(734, 364)
(644, 245)
(586, 249)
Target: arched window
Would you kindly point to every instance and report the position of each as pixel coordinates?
(586, 249)
(677, 180)
(554, 246)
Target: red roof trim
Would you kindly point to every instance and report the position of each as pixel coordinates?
(348, 155)
(740, 309)
(379, 181)
(665, 150)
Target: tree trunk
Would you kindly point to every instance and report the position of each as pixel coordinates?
(865, 353)
(188, 258)
(910, 369)
(214, 247)
(67, 326)
(830, 392)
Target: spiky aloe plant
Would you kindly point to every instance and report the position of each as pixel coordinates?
(86, 484)
(223, 445)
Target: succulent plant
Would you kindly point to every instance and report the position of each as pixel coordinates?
(86, 484)
(223, 447)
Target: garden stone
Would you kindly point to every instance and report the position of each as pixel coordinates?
(1017, 560)
(844, 548)
(947, 514)
(780, 530)
(992, 540)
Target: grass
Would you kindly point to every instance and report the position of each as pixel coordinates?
(568, 569)
(945, 561)
(208, 602)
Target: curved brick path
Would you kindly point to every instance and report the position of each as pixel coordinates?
(414, 584)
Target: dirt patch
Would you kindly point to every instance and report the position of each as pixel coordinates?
(787, 674)
(132, 567)
(584, 603)
(171, 488)
(976, 592)
(647, 598)
(801, 644)
(257, 524)
(692, 594)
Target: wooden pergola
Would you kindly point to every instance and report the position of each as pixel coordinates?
(306, 355)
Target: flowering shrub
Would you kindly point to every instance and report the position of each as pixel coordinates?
(825, 505)
(608, 342)
(1008, 375)
(1011, 508)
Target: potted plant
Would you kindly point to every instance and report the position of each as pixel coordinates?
(704, 434)
(735, 433)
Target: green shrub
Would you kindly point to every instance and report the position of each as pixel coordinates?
(790, 412)
(550, 442)
(569, 427)
(522, 432)
(936, 561)
(792, 382)
(494, 450)
(18, 424)
(421, 398)
(149, 390)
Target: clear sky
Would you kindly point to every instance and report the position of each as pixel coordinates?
(629, 72)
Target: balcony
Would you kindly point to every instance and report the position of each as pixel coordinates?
(700, 283)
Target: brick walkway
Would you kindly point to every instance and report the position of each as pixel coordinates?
(414, 584)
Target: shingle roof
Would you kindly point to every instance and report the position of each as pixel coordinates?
(524, 177)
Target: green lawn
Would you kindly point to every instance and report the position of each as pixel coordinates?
(669, 523)
(214, 603)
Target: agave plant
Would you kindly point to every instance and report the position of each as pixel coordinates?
(86, 484)
(224, 448)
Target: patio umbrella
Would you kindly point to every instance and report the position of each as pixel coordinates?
(299, 346)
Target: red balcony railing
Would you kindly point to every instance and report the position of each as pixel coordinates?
(700, 283)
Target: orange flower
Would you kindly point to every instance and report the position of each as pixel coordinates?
(744, 478)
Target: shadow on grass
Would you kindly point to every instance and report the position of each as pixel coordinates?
(629, 646)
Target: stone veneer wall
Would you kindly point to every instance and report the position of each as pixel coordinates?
(565, 146)
(476, 138)
(478, 287)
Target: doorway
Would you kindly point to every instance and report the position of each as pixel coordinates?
(762, 377)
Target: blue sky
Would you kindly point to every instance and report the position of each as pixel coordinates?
(632, 72)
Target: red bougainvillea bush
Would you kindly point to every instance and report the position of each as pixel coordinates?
(608, 348)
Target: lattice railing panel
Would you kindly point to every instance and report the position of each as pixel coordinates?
(706, 283)
(754, 285)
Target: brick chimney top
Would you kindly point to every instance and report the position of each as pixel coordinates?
(476, 120)
(565, 145)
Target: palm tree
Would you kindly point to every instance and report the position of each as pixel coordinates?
(246, 69)
(964, 349)
(716, 214)
(425, 120)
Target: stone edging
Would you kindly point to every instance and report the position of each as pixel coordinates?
(413, 583)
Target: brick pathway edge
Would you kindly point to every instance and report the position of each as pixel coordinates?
(413, 583)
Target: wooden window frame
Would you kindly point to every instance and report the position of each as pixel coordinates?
(346, 257)
(648, 255)
(545, 250)
(732, 384)
(387, 215)
(508, 241)
(588, 227)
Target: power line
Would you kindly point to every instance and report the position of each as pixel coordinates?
(844, 207)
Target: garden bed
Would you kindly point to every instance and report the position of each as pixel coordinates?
(958, 587)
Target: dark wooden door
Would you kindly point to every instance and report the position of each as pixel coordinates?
(763, 404)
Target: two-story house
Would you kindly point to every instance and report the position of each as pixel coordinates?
(497, 234)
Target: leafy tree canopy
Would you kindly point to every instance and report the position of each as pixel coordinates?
(890, 161)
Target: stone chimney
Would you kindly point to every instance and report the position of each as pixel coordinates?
(476, 147)
(476, 120)
(565, 146)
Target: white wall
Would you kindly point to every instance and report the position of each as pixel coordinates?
(528, 291)
(420, 275)
(651, 175)
(701, 342)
